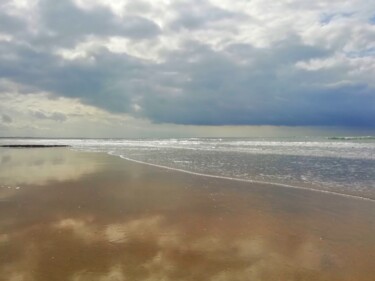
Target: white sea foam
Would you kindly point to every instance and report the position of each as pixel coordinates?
(245, 180)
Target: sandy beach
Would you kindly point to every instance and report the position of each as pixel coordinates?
(67, 215)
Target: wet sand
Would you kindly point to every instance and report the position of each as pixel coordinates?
(66, 215)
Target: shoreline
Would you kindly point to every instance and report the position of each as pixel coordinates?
(345, 172)
(356, 197)
(283, 185)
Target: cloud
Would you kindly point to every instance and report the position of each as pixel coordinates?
(57, 116)
(78, 22)
(6, 118)
(44, 114)
(192, 15)
(198, 63)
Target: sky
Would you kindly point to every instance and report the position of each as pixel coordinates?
(126, 68)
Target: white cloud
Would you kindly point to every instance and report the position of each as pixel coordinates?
(318, 64)
(5, 37)
(42, 113)
(337, 25)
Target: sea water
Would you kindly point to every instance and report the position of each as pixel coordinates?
(344, 165)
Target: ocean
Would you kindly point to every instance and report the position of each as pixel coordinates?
(342, 165)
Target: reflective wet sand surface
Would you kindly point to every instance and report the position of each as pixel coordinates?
(66, 215)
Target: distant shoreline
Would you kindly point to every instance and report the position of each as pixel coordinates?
(33, 145)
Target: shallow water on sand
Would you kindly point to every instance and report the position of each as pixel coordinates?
(340, 165)
(66, 215)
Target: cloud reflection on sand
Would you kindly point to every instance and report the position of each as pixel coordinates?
(40, 166)
(132, 222)
(163, 251)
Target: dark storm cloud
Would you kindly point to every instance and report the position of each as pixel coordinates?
(62, 23)
(222, 92)
(10, 24)
(107, 84)
(70, 22)
(192, 84)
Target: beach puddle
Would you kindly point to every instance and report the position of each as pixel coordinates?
(39, 166)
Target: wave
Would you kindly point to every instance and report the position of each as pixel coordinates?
(352, 138)
(113, 153)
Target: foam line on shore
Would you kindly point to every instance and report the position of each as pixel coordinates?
(244, 180)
